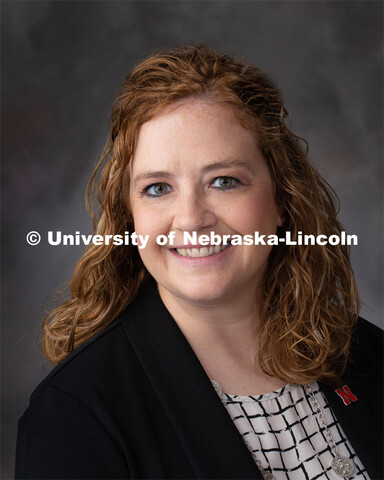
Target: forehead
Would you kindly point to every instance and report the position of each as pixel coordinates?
(194, 133)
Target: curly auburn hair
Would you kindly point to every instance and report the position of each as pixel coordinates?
(309, 300)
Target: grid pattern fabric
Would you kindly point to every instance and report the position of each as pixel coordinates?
(282, 430)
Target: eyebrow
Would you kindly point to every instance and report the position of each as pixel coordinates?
(227, 164)
(207, 168)
(151, 174)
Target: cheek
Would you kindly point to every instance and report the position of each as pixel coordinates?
(145, 226)
(144, 220)
(258, 210)
(147, 221)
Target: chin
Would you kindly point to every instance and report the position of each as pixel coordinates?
(201, 293)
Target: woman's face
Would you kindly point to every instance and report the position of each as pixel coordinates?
(197, 169)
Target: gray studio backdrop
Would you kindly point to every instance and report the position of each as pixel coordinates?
(62, 65)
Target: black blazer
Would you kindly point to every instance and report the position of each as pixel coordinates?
(134, 402)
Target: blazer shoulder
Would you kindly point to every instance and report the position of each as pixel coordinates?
(366, 352)
(368, 339)
(366, 328)
(91, 362)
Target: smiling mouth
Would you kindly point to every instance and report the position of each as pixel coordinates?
(200, 252)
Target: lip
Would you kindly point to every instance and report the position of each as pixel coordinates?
(197, 245)
(189, 245)
(200, 261)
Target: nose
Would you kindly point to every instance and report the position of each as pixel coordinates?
(193, 213)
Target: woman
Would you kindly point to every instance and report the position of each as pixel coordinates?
(224, 360)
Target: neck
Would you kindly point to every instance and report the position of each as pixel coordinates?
(224, 339)
(223, 329)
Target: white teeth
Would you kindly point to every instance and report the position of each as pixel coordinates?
(201, 252)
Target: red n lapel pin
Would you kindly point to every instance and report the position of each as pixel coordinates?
(346, 395)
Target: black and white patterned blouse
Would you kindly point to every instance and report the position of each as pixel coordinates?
(282, 430)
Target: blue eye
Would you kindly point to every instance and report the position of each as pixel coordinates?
(157, 189)
(224, 183)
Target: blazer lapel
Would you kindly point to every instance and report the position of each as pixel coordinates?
(204, 428)
(359, 425)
